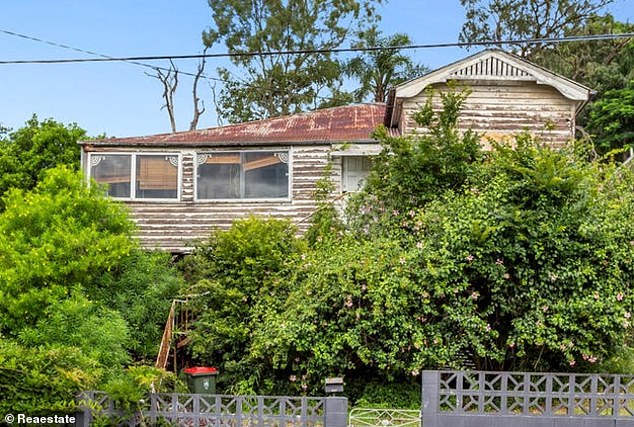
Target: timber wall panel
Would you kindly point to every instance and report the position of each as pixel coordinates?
(498, 110)
(176, 226)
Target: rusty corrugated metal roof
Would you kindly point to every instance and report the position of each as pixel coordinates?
(349, 123)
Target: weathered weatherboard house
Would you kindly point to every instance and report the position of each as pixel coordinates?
(180, 186)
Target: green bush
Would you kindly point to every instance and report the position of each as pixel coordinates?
(392, 395)
(43, 380)
(55, 239)
(73, 285)
(141, 287)
(237, 274)
(100, 333)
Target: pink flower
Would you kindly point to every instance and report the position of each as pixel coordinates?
(628, 315)
(402, 260)
(572, 362)
(469, 258)
(619, 296)
(293, 378)
(596, 296)
(488, 328)
(507, 276)
(395, 212)
(419, 245)
(475, 295)
(499, 261)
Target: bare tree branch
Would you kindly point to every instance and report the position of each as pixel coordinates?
(199, 105)
(169, 79)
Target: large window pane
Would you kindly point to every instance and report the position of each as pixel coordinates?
(243, 175)
(113, 170)
(156, 177)
(219, 176)
(266, 176)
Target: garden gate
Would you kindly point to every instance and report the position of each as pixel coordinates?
(369, 417)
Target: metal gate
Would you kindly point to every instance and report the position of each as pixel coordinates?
(371, 417)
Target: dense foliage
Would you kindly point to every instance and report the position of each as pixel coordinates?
(413, 170)
(532, 263)
(611, 118)
(235, 277)
(80, 300)
(515, 258)
(53, 240)
(27, 153)
(508, 20)
(277, 84)
(379, 70)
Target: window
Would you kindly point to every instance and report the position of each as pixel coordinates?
(355, 170)
(155, 175)
(243, 175)
(113, 170)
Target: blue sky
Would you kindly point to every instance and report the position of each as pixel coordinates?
(118, 98)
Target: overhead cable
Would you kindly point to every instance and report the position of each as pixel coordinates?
(105, 58)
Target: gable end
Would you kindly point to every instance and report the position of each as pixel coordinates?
(488, 68)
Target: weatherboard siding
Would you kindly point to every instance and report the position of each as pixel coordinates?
(499, 109)
(176, 226)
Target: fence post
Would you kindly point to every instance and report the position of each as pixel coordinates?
(431, 397)
(83, 416)
(336, 412)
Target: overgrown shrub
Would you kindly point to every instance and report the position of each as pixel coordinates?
(236, 275)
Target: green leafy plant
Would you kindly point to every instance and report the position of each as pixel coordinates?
(29, 152)
(236, 275)
(412, 170)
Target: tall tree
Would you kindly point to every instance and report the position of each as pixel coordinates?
(607, 66)
(494, 20)
(378, 70)
(599, 64)
(27, 153)
(611, 119)
(274, 83)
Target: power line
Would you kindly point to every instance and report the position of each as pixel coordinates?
(100, 55)
(134, 59)
(135, 62)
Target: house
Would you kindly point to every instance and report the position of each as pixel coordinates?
(180, 186)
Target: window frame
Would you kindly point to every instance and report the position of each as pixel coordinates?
(345, 170)
(242, 200)
(133, 174)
